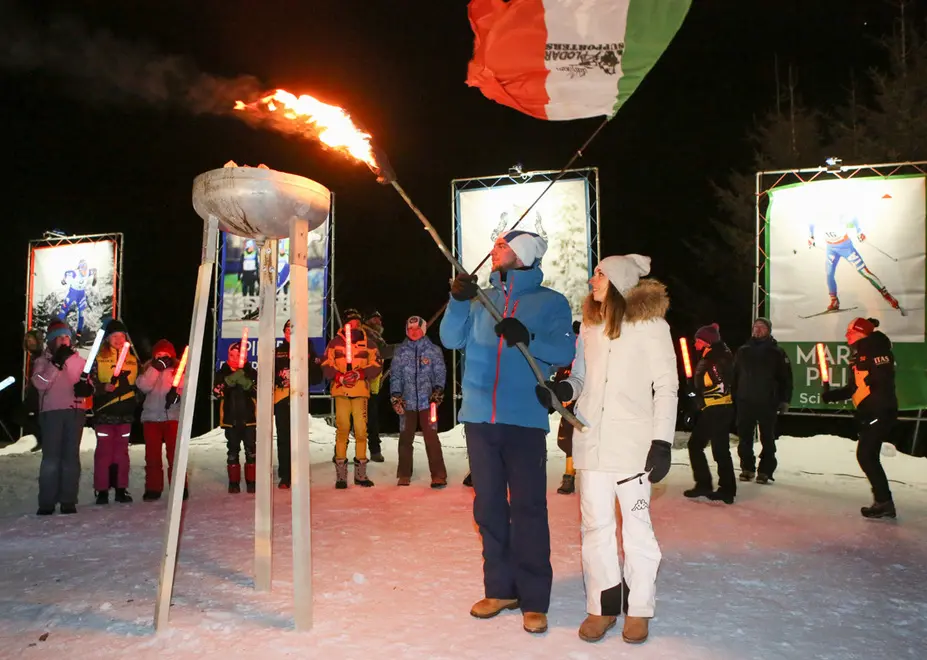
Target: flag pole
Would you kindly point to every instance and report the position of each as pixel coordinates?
(386, 175)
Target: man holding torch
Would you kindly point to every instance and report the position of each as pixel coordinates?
(505, 427)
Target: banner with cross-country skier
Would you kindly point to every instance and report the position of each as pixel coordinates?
(844, 248)
(564, 59)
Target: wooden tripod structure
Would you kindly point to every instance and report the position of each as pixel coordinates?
(264, 205)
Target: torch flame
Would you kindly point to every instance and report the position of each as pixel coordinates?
(686, 361)
(822, 363)
(120, 362)
(434, 412)
(331, 124)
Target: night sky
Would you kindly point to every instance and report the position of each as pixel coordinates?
(86, 158)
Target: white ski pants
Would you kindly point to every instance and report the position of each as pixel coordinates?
(601, 567)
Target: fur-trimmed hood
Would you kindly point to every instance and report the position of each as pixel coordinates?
(646, 301)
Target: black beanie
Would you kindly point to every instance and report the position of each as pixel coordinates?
(113, 327)
(710, 334)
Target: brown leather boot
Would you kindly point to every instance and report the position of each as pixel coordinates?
(636, 629)
(535, 622)
(490, 607)
(595, 626)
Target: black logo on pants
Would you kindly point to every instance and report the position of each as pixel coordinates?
(640, 505)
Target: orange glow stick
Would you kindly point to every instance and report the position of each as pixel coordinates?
(822, 363)
(243, 351)
(434, 412)
(349, 348)
(178, 375)
(686, 361)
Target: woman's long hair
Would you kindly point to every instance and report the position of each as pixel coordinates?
(610, 311)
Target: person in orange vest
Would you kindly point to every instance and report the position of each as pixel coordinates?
(351, 364)
(114, 404)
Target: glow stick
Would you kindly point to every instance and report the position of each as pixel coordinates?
(92, 356)
(349, 348)
(822, 363)
(9, 380)
(122, 359)
(686, 362)
(180, 367)
(434, 412)
(243, 351)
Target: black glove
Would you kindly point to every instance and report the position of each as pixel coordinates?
(826, 395)
(61, 356)
(83, 387)
(783, 408)
(513, 331)
(546, 393)
(163, 363)
(171, 398)
(658, 460)
(437, 395)
(464, 288)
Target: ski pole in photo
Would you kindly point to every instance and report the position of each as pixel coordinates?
(9, 380)
(92, 356)
(243, 350)
(822, 363)
(880, 250)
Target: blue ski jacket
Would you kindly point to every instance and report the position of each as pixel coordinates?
(498, 384)
(417, 369)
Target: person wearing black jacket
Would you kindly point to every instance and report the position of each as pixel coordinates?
(282, 401)
(236, 388)
(712, 380)
(872, 391)
(762, 388)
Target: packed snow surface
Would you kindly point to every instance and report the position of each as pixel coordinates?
(791, 570)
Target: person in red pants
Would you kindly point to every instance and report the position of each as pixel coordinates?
(114, 404)
(160, 414)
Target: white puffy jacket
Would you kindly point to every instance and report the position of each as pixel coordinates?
(626, 388)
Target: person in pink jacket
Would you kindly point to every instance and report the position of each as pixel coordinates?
(160, 414)
(58, 377)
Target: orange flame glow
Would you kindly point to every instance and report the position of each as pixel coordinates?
(178, 375)
(331, 124)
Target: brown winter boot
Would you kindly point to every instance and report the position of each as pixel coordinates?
(490, 607)
(360, 474)
(636, 629)
(535, 622)
(595, 626)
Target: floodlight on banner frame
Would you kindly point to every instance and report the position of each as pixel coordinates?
(833, 243)
(567, 216)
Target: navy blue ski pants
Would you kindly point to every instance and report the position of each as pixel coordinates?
(509, 469)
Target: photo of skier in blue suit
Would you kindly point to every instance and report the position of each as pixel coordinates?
(77, 281)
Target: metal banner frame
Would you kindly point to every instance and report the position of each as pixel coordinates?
(329, 295)
(55, 240)
(515, 176)
(766, 182)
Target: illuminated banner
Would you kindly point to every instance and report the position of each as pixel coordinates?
(843, 248)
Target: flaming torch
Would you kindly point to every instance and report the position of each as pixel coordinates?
(822, 363)
(333, 127)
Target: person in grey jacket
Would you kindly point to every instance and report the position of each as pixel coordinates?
(63, 390)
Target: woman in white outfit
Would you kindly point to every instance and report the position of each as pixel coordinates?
(625, 384)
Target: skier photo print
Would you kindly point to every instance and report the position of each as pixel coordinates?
(841, 248)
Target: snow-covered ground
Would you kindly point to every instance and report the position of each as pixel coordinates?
(790, 571)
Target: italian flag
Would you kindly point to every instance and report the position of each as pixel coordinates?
(566, 59)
